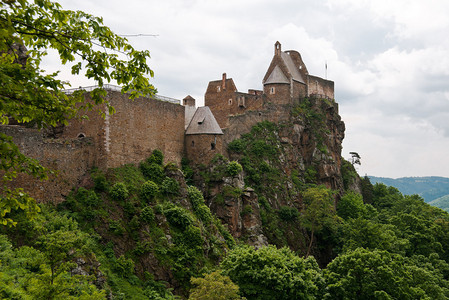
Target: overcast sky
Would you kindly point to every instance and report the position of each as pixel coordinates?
(389, 61)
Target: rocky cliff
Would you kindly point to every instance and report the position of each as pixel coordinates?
(280, 160)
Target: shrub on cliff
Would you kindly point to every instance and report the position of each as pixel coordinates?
(234, 168)
(178, 217)
(199, 207)
(149, 190)
(288, 213)
(152, 171)
(170, 186)
(147, 214)
(119, 191)
(156, 157)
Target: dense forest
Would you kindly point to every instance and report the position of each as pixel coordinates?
(135, 225)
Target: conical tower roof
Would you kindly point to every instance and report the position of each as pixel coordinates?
(203, 122)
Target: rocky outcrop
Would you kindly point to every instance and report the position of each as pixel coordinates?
(232, 202)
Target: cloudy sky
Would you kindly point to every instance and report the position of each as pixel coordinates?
(389, 60)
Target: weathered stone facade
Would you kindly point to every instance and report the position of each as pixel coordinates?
(71, 158)
(137, 128)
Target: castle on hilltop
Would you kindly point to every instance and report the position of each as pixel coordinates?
(142, 125)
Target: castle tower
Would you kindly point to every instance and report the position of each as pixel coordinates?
(189, 104)
(203, 138)
(285, 81)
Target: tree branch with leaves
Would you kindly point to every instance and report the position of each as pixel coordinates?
(28, 29)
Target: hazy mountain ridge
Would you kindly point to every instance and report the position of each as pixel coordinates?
(430, 187)
(442, 202)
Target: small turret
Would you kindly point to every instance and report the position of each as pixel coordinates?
(277, 48)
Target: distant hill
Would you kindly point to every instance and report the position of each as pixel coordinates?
(430, 188)
(442, 202)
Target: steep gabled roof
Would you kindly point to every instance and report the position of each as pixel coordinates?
(203, 122)
(284, 67)
(292, 68)
(277, 76)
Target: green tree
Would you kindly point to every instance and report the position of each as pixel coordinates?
(270, 273)
(376, 274)
(351, 206)
(319, 211)
(29, 95)
(214, 286)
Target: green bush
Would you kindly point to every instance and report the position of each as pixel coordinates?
(287, 213)
(124, 266)
(101, 183)
(203, 213)
(87, 198)
(192, 236)
(236, 146)
(149, 190)
(116, 228)
(234, 168)
(147, 214)
(195, 196)
(178, 217)
(152, 171)
(156, 157)
(170, 186)
(119, 191)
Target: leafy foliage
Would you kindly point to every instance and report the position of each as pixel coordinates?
(119, 192)
(30, 96)
(170, 186)
(270, 273)
(214, 286)
(368, 274)
(234, 168)
(149, 190)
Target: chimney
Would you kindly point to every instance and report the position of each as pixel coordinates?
(223, 82)
(277, 48)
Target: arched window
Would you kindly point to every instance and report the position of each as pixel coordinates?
(193, 143)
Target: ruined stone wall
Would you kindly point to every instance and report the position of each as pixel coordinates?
(137, 128)
(71, 158)
(201, 148)
(242, 124)
(320, 86)
(142, 125)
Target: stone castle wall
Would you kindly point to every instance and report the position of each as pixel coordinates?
(137, 128)
(128, 136)
(71, 158)
(320, 86)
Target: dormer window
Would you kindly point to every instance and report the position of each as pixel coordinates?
(200, 121)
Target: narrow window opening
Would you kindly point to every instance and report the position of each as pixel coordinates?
(230, 101)
(218, 89)
(272, 91)
(193, 143)
(212, 146)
